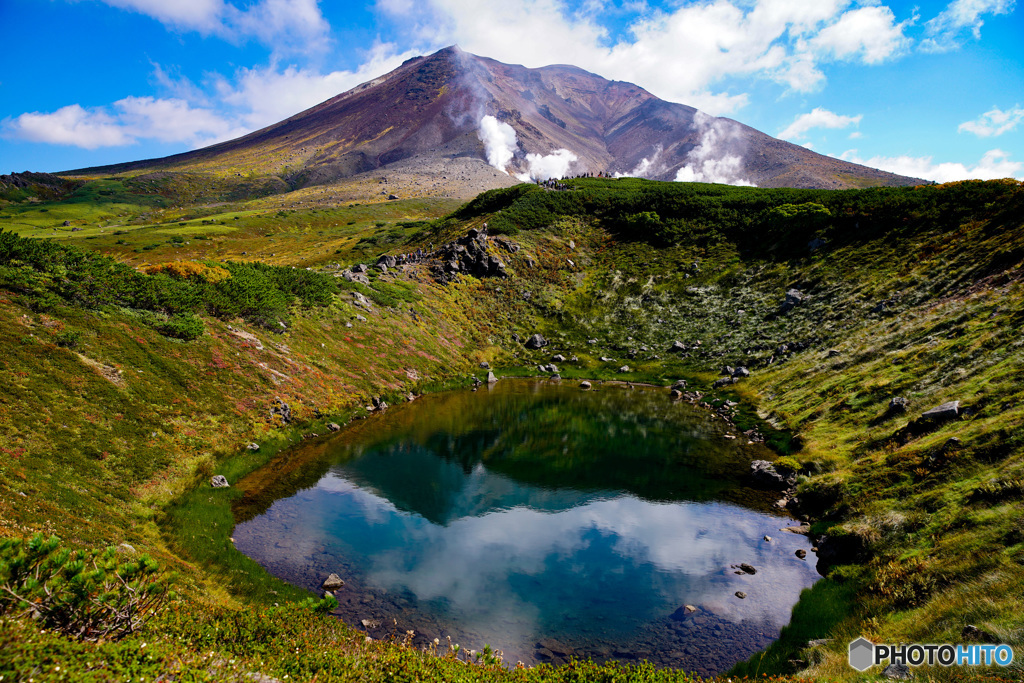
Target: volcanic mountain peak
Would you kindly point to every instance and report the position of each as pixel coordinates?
(529, 123)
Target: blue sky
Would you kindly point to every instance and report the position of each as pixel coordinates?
(930, 89)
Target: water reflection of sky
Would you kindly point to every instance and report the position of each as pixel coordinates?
(466, 513)
(528, 562)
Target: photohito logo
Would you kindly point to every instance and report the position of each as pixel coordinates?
(864, 654)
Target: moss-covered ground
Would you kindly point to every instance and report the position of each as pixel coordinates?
(110, 430)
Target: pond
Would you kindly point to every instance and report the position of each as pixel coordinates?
(543, 520)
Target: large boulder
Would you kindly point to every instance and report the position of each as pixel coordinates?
(536, 342)
(764, 474)
(943, 413)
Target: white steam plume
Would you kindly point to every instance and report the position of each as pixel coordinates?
(648, 167)
(499, 140)
(711, 161)
(554, 165)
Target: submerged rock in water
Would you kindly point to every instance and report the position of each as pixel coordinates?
(332, 583)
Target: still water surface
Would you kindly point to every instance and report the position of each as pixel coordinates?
(540, 519)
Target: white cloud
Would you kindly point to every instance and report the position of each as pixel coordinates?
(285, 25)
(994, 123)
(818, 118)
(945, 30)
(125, 123)
(869, 32)
(70, 125)
(262, 96)
(994, 164)
(681, 54)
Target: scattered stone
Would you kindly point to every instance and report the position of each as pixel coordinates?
(536, 342)
(491, 378)
(361, 301)
(972, 633)
(748, 568)
(485, 365)
(675, 394)
(127, 548)
(793, 299)
(585, 384)
(624, 368)
(555, 646)
(765, 474)
(370, 624)
(942, 413)
(379, 404)
(832, 353)
(606, 359)
(556, 377)
(802, 529)
(767, 539)
(591, 341)
(332, 583)
(680, 385)
(741, 595)
(253, 447)
(898, 671)
(333, 426)
(818, 642)
(727, 371)
(801, 553)
(740, 372)
(66, 224)
(725, 381)
(558, 358)
(897, 405)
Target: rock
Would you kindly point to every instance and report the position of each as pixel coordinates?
(767, 539)
(832, 353)
(818, 642)
(740, 372)
(536, 342)
(606, 359)
(352, 276)
(359, 300)
(333, 426)
(485, 365)
(66, 224)
(360, 268)
(675, 394)
(624, 368)
(558, 358)
(392, 197)
(725, 381)
(379, 404)
(492, 378)
(793, 299)
(801, 553)
(360, 318)
(682, 612)
(76, 229)
(370, 624)
(591, 341)
(897, 405)
(253, 447)
(585, 384)
(898, 671)
(727, 370)
(332, 583)
(942, 413)
(741, 595)
(680, 385)
(764, 474)
(556, 377)
(387, 260)
(972, 633)
(748, 568)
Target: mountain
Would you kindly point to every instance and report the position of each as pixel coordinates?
(456, 107)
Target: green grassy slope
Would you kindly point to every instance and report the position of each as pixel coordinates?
(109, 429)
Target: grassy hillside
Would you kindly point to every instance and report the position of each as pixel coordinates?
(128, 386)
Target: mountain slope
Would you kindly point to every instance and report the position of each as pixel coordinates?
(536, 123)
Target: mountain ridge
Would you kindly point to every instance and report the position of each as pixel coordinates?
(530, 123)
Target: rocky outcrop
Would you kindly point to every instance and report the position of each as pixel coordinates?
(764, 474)
(468, 255)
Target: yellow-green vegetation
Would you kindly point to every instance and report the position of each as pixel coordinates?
(127, 388)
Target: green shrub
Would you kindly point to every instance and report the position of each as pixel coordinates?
(185, 327)
(89, 595)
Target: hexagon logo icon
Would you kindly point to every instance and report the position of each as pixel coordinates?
(862, 654)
